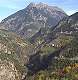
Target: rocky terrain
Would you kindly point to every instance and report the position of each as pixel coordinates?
(14, 53)
(50, 53)
(28, 21)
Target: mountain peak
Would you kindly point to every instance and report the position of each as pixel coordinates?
(28, 21)
(37, 4)
(41, 5)
(44, 6)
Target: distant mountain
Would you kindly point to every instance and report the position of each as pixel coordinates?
(28, 21)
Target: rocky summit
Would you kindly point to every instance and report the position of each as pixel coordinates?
(28, 21)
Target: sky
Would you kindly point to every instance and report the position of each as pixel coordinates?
(8, 7)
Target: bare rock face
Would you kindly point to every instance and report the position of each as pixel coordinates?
(28, 21)
(14, 54)
(8, 71)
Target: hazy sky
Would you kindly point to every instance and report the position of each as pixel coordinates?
(8, 7)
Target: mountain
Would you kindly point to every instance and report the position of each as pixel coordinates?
(14, 53)
(57, 54)
(28, 21)
(67, 25)
(50, 50)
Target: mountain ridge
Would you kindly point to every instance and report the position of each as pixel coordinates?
(28, 21)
